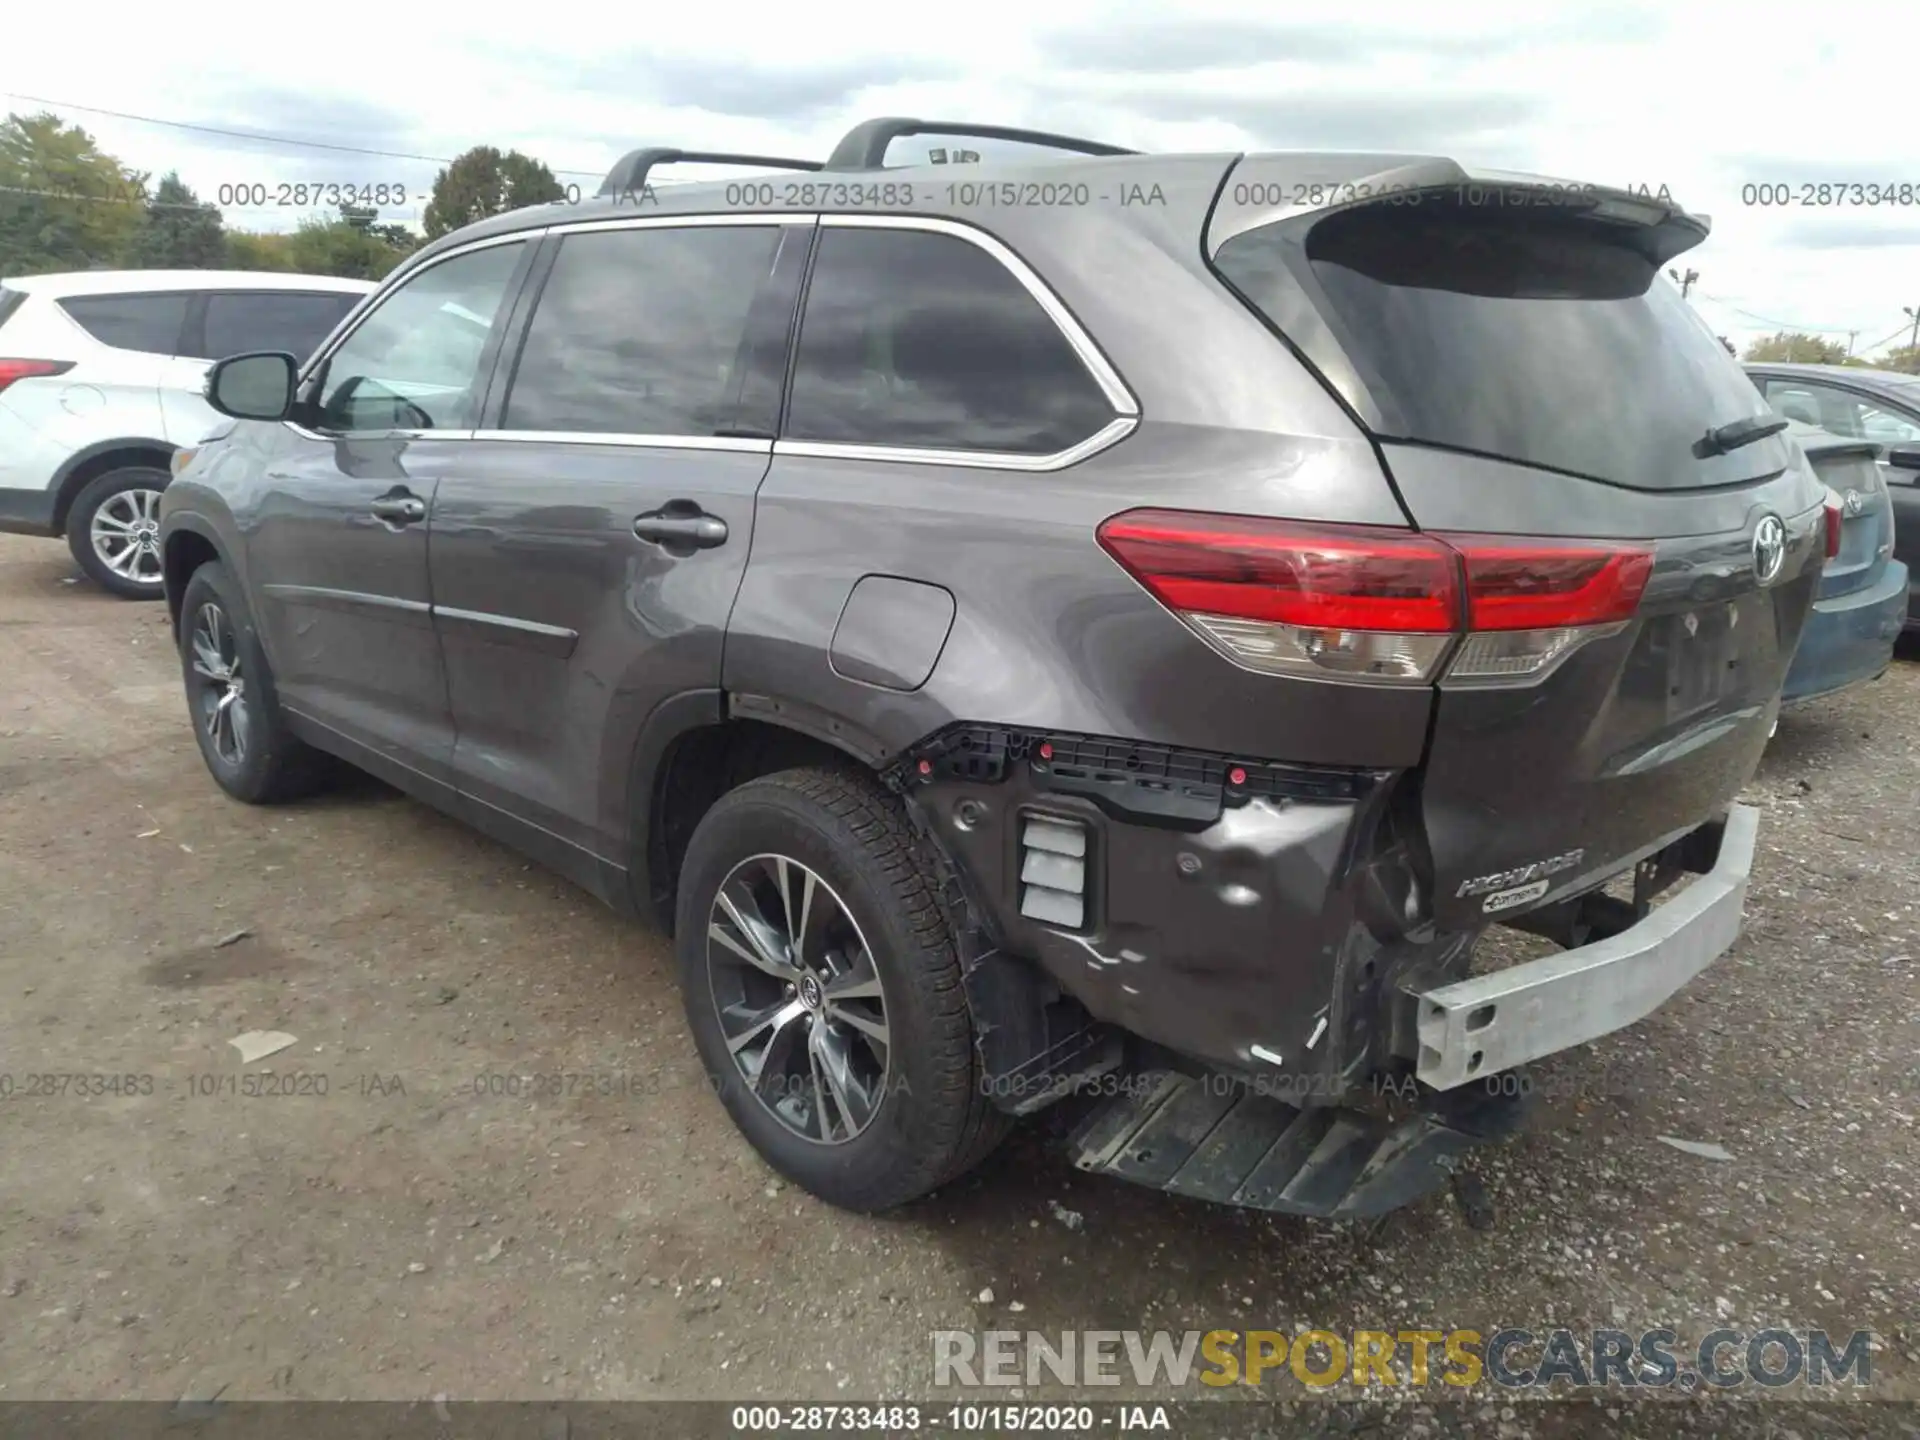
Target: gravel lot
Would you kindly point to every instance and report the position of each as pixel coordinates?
(402, 1236)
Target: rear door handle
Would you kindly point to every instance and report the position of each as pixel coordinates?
(400, 509)
(672, 528)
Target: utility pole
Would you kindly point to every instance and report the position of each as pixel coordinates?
(1914, 311)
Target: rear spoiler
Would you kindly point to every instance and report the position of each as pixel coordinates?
(1266, 189)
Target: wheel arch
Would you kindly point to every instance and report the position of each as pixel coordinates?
(90, 462)
(695, 747)
(702, 745)
(190, 542)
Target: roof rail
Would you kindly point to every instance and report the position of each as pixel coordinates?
(630, 171)
(865, 146)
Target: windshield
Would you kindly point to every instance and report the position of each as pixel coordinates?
(1539, 336)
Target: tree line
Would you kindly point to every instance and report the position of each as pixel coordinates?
(66, 204)
(1791, 347)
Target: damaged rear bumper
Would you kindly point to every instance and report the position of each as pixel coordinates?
(1473, 1028)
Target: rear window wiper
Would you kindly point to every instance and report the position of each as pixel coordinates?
(1728, 438)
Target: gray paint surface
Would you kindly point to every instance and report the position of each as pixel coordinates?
(891, 632)
(522, 646)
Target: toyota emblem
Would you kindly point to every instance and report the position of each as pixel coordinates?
(1854, 502)
(1769, 549)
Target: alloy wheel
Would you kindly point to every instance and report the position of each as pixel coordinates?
(126, 535)
(799, 999)
(220, 699)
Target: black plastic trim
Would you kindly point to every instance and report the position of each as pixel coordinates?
(629, 173)
(27, 512)
(1131, 780)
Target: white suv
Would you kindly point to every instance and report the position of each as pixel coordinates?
(100, 383)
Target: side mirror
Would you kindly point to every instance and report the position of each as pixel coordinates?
(253, 387)
(1904, 457)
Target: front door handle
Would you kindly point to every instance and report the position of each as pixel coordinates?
(400, 509)
(675, 527)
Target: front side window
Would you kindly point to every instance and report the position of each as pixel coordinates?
(241, 321)
(920, 340)
(641, 331)
(414, 363)
(150, 324)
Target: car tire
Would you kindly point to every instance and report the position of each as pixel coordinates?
(249, 749)
(113, 530)
(864, 1126)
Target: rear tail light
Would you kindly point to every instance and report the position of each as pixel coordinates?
(1835, 516)
(1378, 605)
(12, 370)
(1531, 603)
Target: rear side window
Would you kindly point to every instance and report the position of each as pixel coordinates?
(925, 341)
(641, 332)
(239, 321)
(1531, 335)
(149, 323)
(10, 301)
(1841, 412)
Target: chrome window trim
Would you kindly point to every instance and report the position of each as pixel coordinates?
(306, 434)
(737, 443)
(677, 222)
(1126, 405)
(1112, 433)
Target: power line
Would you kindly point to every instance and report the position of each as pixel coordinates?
(1783, 324)
(1893, 334)
(251, 135)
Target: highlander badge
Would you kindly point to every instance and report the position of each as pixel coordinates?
(1522, 875)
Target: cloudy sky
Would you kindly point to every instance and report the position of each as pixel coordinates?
(1706, 99)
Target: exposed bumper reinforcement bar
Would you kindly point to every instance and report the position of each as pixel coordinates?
(1490, 1023)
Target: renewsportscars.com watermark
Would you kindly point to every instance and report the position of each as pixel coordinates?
(1513, 1359)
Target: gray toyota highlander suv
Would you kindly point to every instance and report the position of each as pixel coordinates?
(1096, 632)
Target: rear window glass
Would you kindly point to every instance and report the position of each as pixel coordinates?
(151, 323)
(239, 321)
(10, 301)
(1537, 337)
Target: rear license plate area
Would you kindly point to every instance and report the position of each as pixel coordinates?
(1703, 658)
